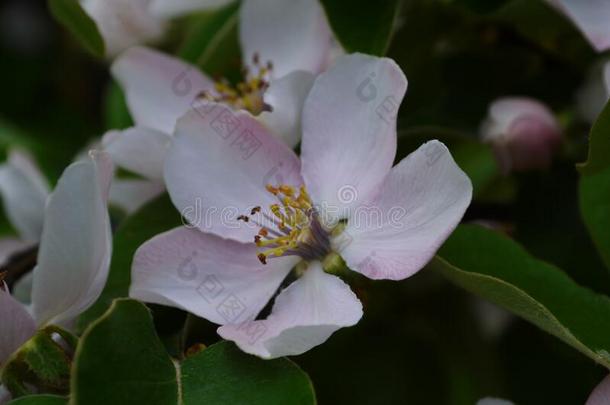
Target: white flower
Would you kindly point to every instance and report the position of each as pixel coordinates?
(73, 258)
(24, 191)
(225, 167)
(124, 23)
(285, 43)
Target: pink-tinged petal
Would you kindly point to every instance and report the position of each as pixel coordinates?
(159, 88)
(286, 97)
(11, 246)
(17, 325)
(24, 191)
(523, 132)
(75, 249)
(218, 167)
(421, 202)
(175, 8)
(292, 35)
(217, 279)
(304, 315)
(139, 150)
(131, 194)
(349, 130)
(590, 17)
(124, 23)
(601, 393)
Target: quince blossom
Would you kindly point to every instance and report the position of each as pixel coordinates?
(125, 23)
(298, 214)
(285, 43)
(73, 258)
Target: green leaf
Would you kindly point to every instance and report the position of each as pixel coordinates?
(595, 208)
(599, 145)
(594, 185)
(152, 219)
(212, 43)
(222, 374)
(362, 26)
(71, 15)
(40, 400)
(498, 269)
(120, 360)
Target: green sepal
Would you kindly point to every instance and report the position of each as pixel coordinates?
(43, 362)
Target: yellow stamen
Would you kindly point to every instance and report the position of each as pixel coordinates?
(247, 95)
(293, 215)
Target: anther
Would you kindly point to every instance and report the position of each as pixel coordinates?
(262, 258)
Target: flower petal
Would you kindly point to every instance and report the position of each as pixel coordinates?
(292, 35)
(286, 96)
(349, 130)
(158, 87)
(304, 315)
(217, 279)
(590, 17)
(421, 202)
(140, 150)
(124, 23)
(24, 191)
(75, 249)
(17, 325)
(175, 8)
(131, 194)
(601, 393)
(218, 166)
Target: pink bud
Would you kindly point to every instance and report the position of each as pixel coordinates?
(524, 133)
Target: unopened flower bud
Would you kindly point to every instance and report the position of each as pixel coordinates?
(524, 133)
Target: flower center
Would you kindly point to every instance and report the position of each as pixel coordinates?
(293, 226)
(247, 95)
